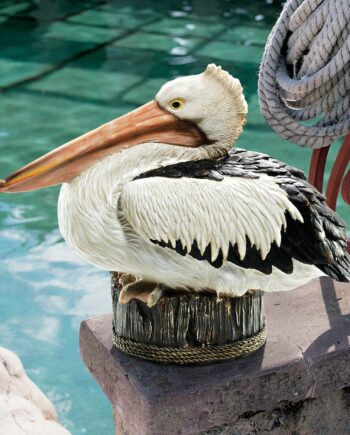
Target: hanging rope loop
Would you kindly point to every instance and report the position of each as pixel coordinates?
(305, 72)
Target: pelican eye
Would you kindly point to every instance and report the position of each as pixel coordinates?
(176, 104)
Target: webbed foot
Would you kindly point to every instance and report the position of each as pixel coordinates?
(134, 287)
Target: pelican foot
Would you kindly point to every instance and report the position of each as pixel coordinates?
(134, 287)
(155, 295)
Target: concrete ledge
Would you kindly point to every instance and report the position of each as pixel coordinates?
(306, 356)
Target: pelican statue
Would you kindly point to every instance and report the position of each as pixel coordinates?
(161, 196)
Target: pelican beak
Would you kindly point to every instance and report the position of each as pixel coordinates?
(149, 123)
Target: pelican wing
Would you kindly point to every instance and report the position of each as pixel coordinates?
(246, 208)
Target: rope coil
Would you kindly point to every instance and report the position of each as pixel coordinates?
(190, 355)
(305, 72)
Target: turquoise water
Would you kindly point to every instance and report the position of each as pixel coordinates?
(66, 67)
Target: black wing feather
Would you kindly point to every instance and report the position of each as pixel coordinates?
(320, 240)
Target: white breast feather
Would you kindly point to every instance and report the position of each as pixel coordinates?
(210, 212)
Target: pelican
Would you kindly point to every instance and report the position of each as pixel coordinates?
(161, 196)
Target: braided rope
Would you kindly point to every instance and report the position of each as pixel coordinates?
(305, 72)
(190, 355)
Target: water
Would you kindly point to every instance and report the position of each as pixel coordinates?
(66, 67)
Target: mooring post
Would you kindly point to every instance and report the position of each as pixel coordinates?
(188, 327)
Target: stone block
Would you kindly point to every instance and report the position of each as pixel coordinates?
(306, 357)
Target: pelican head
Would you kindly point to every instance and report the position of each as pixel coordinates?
(204, 110)
(212, 100)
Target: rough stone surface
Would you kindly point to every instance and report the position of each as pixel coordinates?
(326, 415)
(306, 357)
(24, 409)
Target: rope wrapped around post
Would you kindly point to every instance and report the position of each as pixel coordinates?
(305, 72)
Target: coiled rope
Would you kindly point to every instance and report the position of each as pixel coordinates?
(305, 72)
(191, 355)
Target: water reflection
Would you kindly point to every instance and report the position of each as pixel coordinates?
(46, 290)
(181, 60)
(58, 279)
(48, 330)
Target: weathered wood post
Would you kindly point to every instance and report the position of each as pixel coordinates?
(189, 328)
